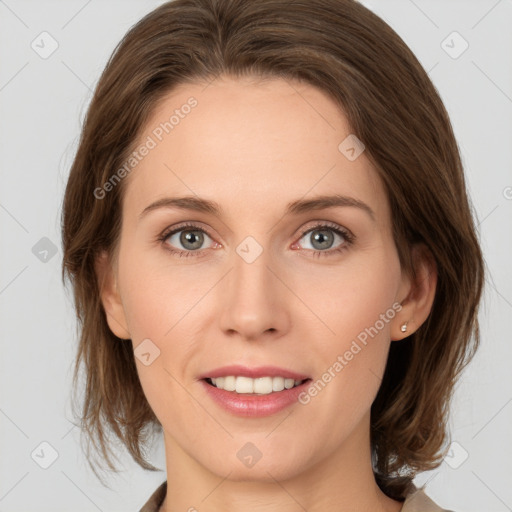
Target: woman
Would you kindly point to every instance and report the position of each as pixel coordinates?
(273, 257)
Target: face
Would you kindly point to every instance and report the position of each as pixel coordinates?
(306, 294)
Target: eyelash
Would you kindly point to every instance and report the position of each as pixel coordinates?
(349, 239)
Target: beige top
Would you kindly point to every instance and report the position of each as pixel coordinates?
(415, 501)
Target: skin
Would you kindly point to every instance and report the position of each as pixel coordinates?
(253, 147)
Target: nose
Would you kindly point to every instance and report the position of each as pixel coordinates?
(254, 299)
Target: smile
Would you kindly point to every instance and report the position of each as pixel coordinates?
(259, 386)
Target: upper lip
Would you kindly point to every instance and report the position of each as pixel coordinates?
(254, 372)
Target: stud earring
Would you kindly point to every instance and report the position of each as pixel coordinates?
(403, 328)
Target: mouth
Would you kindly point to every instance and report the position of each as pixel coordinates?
(242, 385)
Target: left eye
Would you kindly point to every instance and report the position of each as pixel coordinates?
(322, 238)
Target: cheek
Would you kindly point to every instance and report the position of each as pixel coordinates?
(157, 293)
(357, 299)
(160, 301)
(156, 301)
(358, 305)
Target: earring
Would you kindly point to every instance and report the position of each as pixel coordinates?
(403, 328)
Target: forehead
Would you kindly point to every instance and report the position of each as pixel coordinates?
(249, 144)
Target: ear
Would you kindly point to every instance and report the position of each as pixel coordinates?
(416, 295)
(110, 297)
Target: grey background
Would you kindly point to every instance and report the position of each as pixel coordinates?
(42, 103)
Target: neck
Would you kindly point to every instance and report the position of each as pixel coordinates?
(343, 481)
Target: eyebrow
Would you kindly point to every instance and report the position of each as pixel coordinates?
(198, 204)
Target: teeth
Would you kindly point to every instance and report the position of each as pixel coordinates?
(259, 386)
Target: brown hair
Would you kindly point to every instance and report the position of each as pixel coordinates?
(345, 50)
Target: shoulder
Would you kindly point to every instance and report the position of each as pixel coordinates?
(156, 499)
(417, 501)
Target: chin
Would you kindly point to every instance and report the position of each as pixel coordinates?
(248, 464)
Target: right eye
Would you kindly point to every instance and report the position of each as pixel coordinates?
(189, 236)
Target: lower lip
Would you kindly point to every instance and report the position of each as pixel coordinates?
(254, 405)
